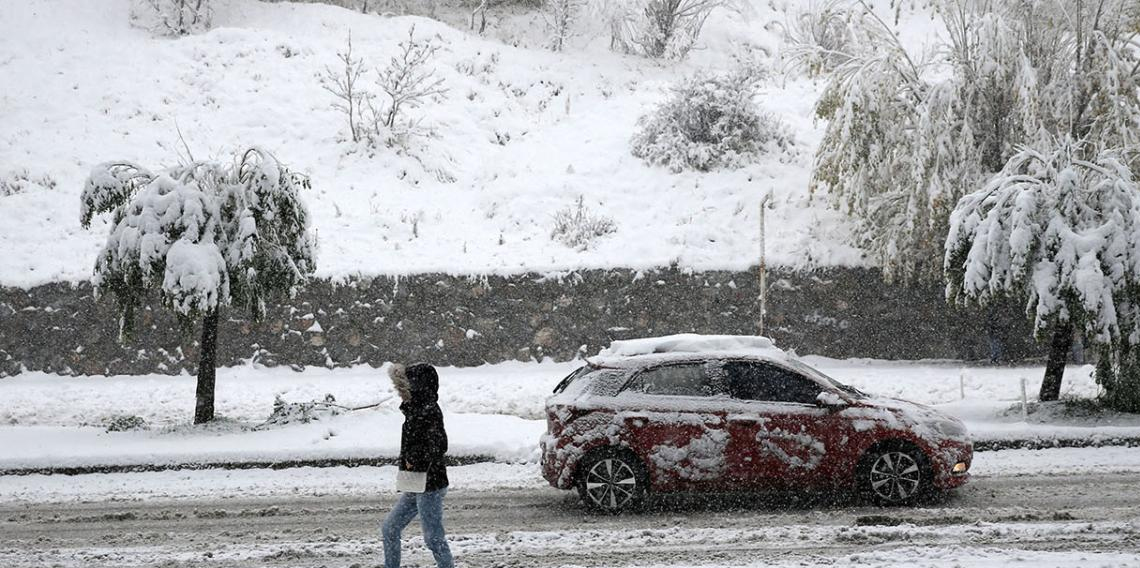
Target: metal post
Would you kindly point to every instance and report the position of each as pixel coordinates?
(1024, 402)
(763, 263)
(962, 385)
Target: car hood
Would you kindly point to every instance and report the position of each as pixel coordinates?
(893, 413)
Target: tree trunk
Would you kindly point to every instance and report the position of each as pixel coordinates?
(207, 362)
(1058, 356)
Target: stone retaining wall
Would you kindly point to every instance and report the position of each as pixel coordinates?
(455, 320)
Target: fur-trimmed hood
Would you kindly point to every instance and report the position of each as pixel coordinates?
(416, 384)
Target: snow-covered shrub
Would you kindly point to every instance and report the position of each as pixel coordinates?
(817, 39)
(709, 122)
(1118, 373)
(172, 17)
(201, 236)
(481, 65)
(303, 412)
(1064, 233)
(22, 181)
(126, 423)
(408, 81)
(578, 228)
(656, 28)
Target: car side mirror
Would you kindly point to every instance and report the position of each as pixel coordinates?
(830, 401)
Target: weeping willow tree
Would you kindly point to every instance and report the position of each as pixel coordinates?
(907, 135)
(1064, 233)
(1023, 96)
(1060, 224)
(201, 236)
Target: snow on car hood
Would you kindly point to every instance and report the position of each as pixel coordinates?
(897, 414)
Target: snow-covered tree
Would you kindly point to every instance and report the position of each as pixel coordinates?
(1064, 233)
(341, 81)
(201, 236)
(907, 136)
(819, 38)
(409, 80)
(172, 17)
(656, 28)
(710, 121)
(1059, 224)
(561, 16)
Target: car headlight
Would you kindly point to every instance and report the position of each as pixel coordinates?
(950, 428)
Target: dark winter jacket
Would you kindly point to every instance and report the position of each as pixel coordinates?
(423, 441)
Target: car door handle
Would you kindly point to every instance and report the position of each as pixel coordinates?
(636, 420)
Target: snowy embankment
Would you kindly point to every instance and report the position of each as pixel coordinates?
(520, 134)
(493, 412)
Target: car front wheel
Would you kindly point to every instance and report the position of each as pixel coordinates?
(894, 476)
(611, 481)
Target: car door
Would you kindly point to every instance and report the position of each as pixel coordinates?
(779, 434)
(674, 416)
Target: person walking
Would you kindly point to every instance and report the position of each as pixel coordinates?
(423, 445)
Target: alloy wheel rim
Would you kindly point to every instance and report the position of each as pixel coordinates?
(610, 483)
(895, 476)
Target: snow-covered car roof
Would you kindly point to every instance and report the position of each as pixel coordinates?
(647, 351)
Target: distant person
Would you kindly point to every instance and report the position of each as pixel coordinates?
(423, 445)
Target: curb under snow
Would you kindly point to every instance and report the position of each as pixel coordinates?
(980, 446)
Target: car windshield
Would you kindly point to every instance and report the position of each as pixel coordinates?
(819, 375)
(597, 380)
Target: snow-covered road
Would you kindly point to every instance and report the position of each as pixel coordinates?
(1043, 521)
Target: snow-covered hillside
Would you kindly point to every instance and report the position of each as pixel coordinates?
(520, 134)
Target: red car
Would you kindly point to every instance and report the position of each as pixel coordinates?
(699, 413)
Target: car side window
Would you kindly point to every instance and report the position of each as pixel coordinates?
(689, 379)
(771, 383)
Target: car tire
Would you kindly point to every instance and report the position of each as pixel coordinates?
(612, 481)
(892, 475)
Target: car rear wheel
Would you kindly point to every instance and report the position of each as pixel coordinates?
(894, 475)
(612, 481)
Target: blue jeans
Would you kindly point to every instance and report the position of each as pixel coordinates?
(429, 506)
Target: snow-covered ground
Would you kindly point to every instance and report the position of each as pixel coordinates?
(484, 477)
(495, 411)
(520, 134)
(330, 517)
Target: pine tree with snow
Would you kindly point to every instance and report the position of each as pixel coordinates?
(203, 236)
